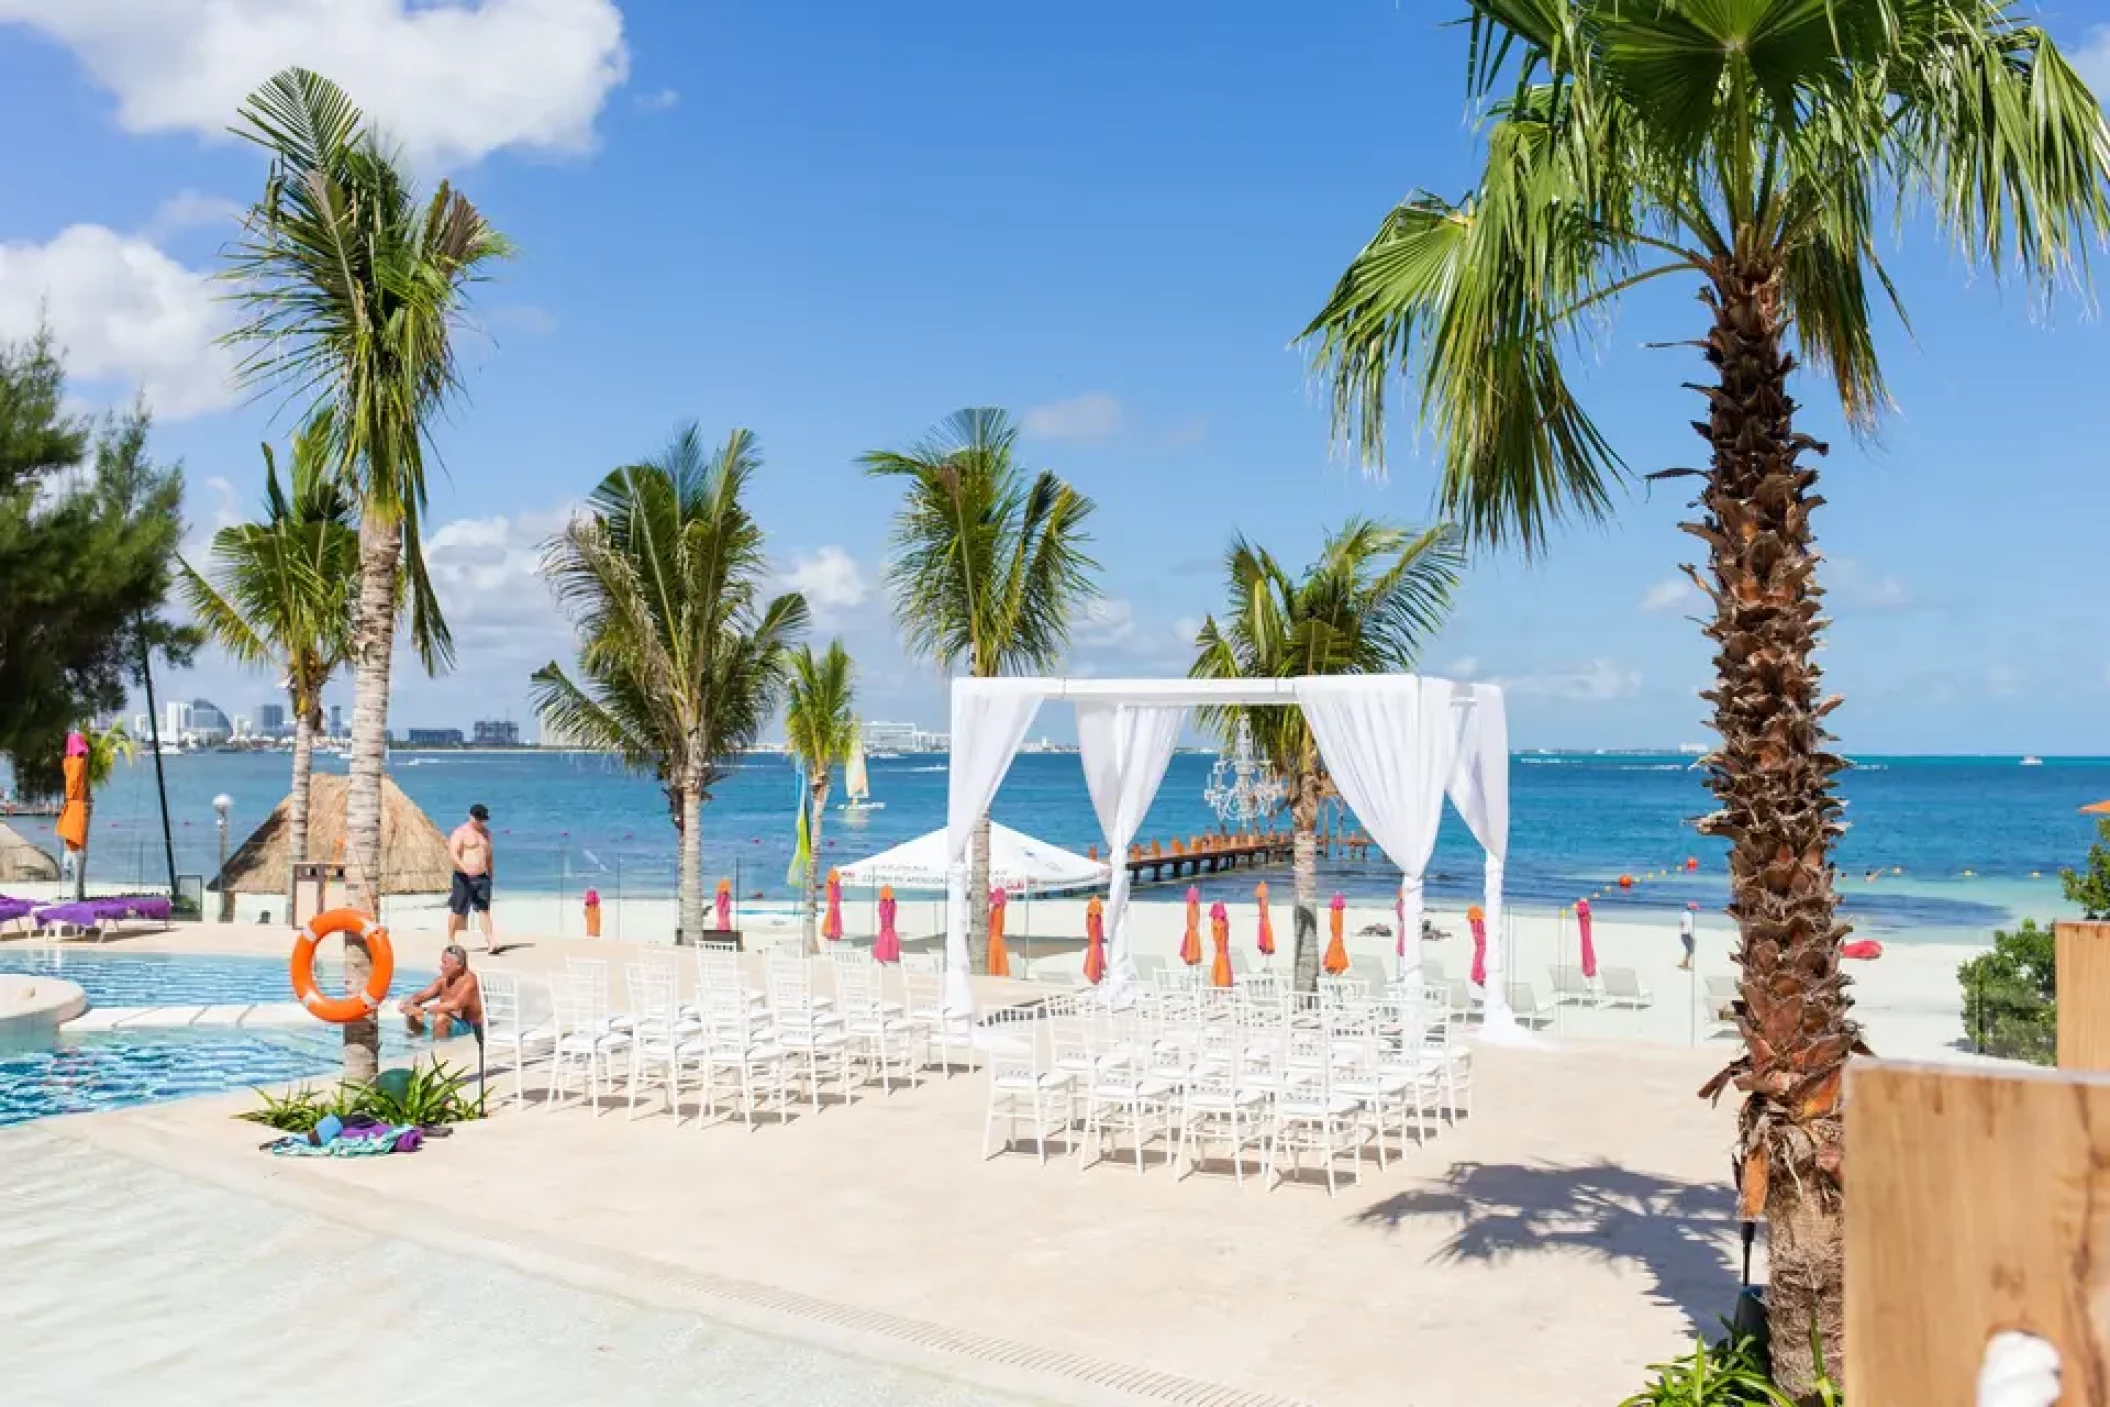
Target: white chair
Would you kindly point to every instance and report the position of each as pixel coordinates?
(507, 1028)
(1020, 1088)
(924, 964)
(1138, 1097)
(657, 1030)
(1569, 985)
(1622, 987)
(718, 976)
(1309, 1115)
(923, 1005)
(807, 1030)
(879, 1036)
(1525, 1005)
(585, 1044)
(1369, 971)
(1723, 993)
(1390, 1092)
(1450, 1064)
(1432, 970)
(735, 1056)
(1218, 1107)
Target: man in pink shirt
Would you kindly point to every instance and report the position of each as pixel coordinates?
(470, 847)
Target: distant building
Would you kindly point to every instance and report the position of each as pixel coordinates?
(271, 719)
(207, 723)
(336, 720)
(433, 737)
(242, 727)
(175, 719)
(492, 732)
(142, 726)
(889, 737)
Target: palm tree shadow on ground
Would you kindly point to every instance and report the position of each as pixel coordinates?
(1682, 1234)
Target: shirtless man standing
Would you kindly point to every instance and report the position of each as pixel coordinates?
(470, 845)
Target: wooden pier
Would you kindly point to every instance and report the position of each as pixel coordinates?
(1216, 853)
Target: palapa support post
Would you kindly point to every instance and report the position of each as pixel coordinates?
(2083, 951)
(1977, 1203)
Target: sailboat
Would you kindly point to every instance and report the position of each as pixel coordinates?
(856, 783)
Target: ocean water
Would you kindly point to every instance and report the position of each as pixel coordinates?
(1961, 844)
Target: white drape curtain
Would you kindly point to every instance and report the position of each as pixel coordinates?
(1479, 788)
(1390, 745)
(989, 721)
(1125, 749)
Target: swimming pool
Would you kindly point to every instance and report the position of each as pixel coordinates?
(114, 1069)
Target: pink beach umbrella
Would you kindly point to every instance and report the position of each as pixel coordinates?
(725, 905)
(1220, 931)
(1589, 946)
(887, 946)
(1478, 920)
(1399, 911)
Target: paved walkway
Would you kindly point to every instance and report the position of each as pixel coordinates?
(128, 1281)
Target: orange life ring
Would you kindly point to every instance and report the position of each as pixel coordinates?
(348, 1008)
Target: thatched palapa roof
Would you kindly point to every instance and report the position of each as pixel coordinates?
(20, 860)
(414, 858)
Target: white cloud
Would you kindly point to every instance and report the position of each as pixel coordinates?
(488, 575)
(124, 312)
(1599, 681)
(1092, 416)
(1669, 594)
(830, 580)
(1185, 629)
(2092, 60)
(1854, 587)
(188, 210)
(451, 80)
(1465, 667)
(1108, 621)
(658, 102)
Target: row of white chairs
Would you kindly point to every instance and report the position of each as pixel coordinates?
(1252, 1069)
(750, 1048)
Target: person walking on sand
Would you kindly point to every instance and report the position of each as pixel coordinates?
(470, 846)
(1685, 935)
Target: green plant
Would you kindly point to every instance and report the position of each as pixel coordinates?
(1731, 1372)
(297, 1112)
(1752, 152)
(820, 731)
(427, 1096)
(2091, 889)
(2010, 995)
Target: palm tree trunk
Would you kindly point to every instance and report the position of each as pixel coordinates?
(692, 925)
(1304, 860)
(373, 655)
(1773, 779)
(978, 900)
(304, 723)
(815, 870)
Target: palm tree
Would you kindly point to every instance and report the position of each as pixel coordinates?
(1368, 605)
(819, 730)
(989, 568)
(1749, 150)
(353, 288)
(681, 659)
(280, 597)
(106, 748)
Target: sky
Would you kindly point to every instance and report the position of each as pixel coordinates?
(837, 223)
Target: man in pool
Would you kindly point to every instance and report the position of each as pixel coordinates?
(454, 1003)
(470, 847)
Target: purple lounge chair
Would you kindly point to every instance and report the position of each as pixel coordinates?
(12, 909)
(98, 914)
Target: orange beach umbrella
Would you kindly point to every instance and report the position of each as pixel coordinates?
(832, 925)
(1191, 945)
(1095, 939)
(999, 959)
(2096, 808)
(1336, 961)
(1220, 930)
(73, 816)
(1267, 929)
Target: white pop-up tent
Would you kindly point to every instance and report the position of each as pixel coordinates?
(1394, 744)
(1017, 862)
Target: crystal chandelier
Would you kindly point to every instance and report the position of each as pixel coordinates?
(1241, 790)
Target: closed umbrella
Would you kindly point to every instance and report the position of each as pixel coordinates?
(887, 946)
(832, 925)
(1336, 961)
(1191, 945)
(1095, 939)
(1399, 913)
(1220, 930)
(73, 816)
(725, 905)
(1267, 928)
(1478, 921)
(999, 960)
(1589, 946)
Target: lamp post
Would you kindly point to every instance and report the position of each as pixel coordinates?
(221, 805)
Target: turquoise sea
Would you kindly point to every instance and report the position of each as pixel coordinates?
(566, 821)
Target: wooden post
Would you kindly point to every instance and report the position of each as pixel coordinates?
(1976, 1201)
(2084, 995)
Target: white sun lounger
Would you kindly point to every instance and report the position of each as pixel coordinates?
(1569, 985)
(1722, 995)
(1525, 1005)
(1622, 987)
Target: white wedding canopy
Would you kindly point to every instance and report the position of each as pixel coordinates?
(1017, 862)
(1394, 744)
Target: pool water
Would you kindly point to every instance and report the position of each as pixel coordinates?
(115, 1069)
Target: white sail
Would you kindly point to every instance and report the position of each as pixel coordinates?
(855, 782)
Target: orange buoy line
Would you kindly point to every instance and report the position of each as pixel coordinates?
(345, 1009)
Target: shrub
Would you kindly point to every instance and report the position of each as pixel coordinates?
(1729, 1373)
(427, 1097)
(2010, 995)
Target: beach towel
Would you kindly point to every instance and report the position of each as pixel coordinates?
(359, 1141)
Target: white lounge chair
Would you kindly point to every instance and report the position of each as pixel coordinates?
(1622, 987)
(1524, 1004)
(1569, 985)
(1722, 996)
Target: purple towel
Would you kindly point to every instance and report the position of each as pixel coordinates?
(12, 909)
(91, 913)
